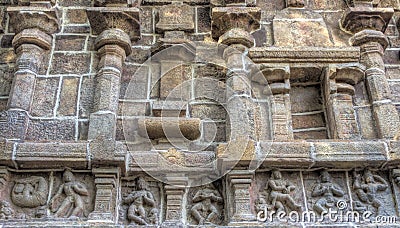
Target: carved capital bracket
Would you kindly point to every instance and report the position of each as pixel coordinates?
(240, 182)
(356, 19)
(106, 181)
(32, 17)
(339, 90)
(115, 25)
(227, 18)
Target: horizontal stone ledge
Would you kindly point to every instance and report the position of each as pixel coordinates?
(313, 55)
(305, 155)
(49, 155)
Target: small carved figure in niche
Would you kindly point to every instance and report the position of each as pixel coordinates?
(327, 191)
(279, 196)
(142, 206)
(204, 211)
(396, 176)
(366, 188)
(30, 192)
(73, 204)
(6, 212)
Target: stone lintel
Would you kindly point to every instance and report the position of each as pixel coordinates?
(356, 19)
(303, 55)
(37, 3)
(227, 18)
(26, 17)
(122, 18)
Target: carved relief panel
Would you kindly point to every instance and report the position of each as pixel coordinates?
(206, 205)
(371, 192)
(326, 190)
(140, 203)
(278, 191)
(47, 195)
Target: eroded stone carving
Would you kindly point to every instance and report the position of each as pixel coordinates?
(73, 204)
(367, 187)
(204, 211)
(278, 194)
(6, 212)
(142, 205)
(30, 192)
(327, 192)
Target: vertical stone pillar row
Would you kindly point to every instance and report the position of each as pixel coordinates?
(339, 92)
(117, 28)
(367, 25)
(106, 181)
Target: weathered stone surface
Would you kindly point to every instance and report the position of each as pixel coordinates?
(176, 17)
(307, 29)
(68, 97)
(51, 130)
(70, 63)
(75, 16)
(70, 43)
(44, 99)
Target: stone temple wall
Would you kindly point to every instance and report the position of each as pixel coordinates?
(226, 113)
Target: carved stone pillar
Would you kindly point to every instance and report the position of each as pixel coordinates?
(175, 199)
(34, 25)
(232, 26)
(117, 26)
(279, 83)
(339, 92)
(106, 181)
(368, 24)
(238, 184)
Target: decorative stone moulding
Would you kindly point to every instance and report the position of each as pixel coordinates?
(227, 18)
(169, 127)
(122, 18)
(42, 18)
(356, 19)
(346, 76)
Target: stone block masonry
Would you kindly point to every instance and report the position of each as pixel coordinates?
(161, 113)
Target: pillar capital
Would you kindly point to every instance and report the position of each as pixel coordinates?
(356, 19)
(115, 25)
(227, 18)
(108, 41)
(32, 17)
